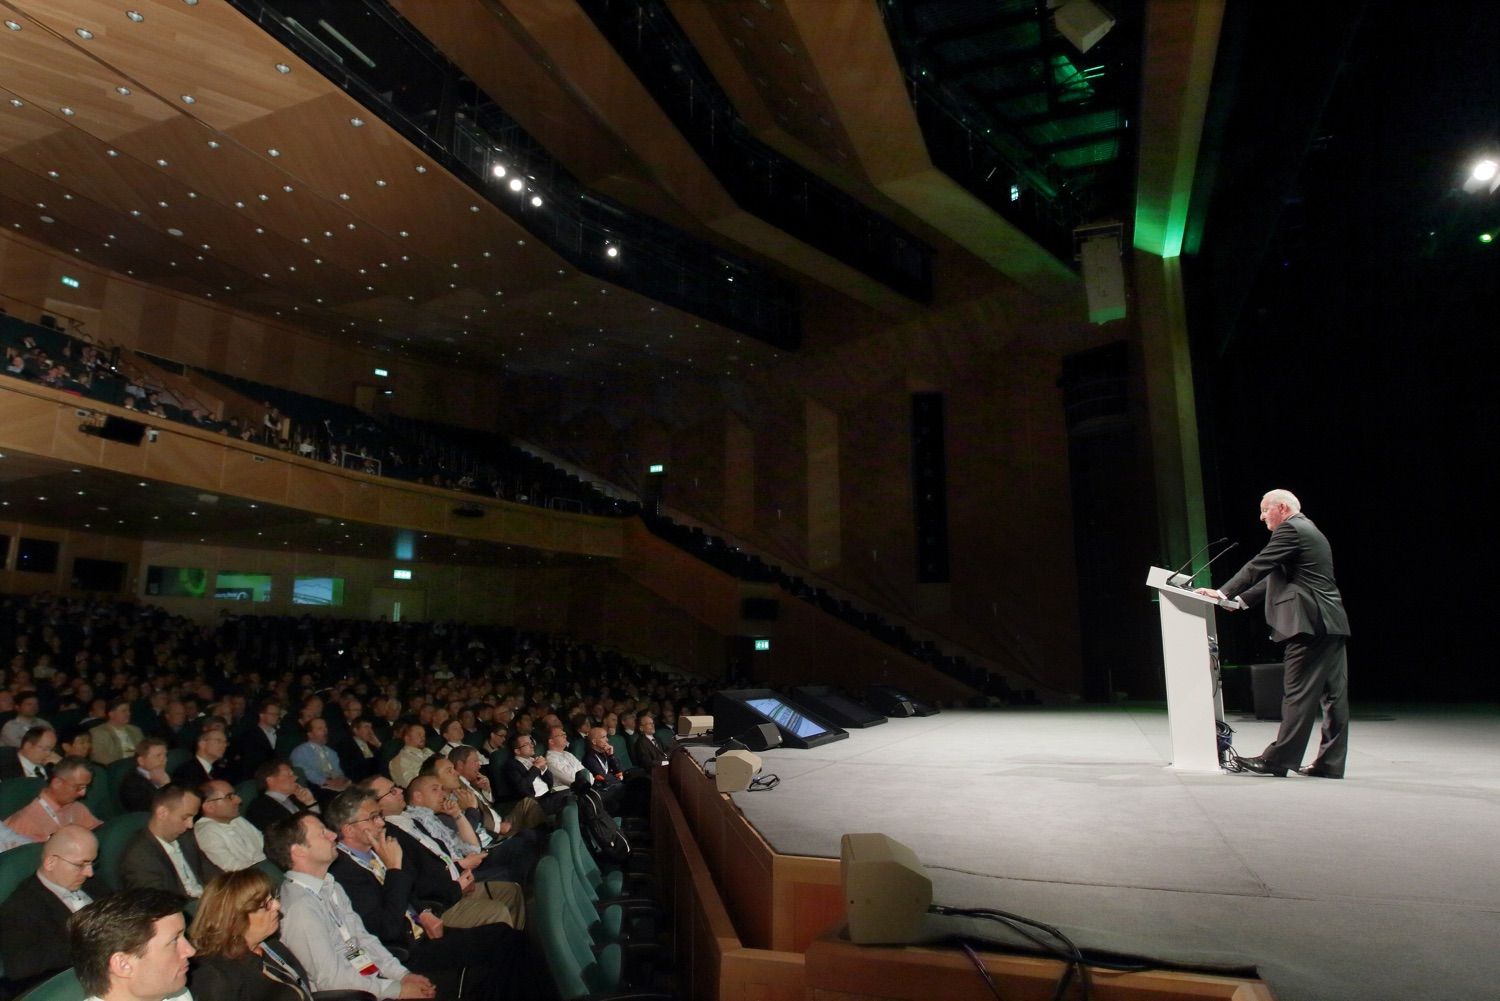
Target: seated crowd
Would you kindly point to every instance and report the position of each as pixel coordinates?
(363, 809)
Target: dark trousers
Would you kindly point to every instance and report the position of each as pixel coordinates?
(1317, 675)
(489, 963)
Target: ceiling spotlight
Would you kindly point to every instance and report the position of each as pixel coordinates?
(610, 250)
(516, 184)
(473, 208)
(13, 26)
(273, 152)
(343, 196)
(160, 162)
(189, 99)
(283, 68)
(1483, 237)
(123, 91)
(83, 33)
(356, 121)
(536, 201)
(498, 170)
(380, 183)
(191, 3)
(1484, 170)
(174, 231)
(135, 16)
(67, 112)
(16, 102)
(421, 169)
(213, 144)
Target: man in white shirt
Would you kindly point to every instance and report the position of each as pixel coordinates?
(34, 919)
(561, 763)
(320, 926)
(230, 841)
(408, 760)
(27, 705)
(132, 947)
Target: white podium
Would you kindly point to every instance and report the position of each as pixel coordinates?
(1194, 702)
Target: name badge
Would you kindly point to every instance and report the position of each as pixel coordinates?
(360, 960)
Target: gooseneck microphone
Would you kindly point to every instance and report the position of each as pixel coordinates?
(1174, 580)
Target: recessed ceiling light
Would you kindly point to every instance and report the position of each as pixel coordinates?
(343, 196)
(135, 16)
(273, 152)
(189, 99)
(307, 239)
(16, 102)
(404, 233)
(68, 112)
(123, 91)
(83, 33)
(516, 184)
(213, 144)
(287, 188)
(473, 208)
(380, 183)
(283, 68)
(53, 174)
(356, 121)
(263, 197)
(13, 26)
(112, 152)
(259, 230)
(47, 218)
(173, 230)
(135, 212)
(163, 205)
(160, 162)
(191, 3)
(239, 205)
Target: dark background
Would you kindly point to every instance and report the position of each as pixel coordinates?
(1345, 349)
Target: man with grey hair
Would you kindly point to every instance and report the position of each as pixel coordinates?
(1293, 576)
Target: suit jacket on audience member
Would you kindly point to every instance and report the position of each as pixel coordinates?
(136, 791)
(33, 934)
(515, 780)
(381, 906)
(647, 751)
(433, 883)
(265, 811)
(10, 767)
(192, 774)
(248, 749)
(145, 863)
(355, 765)
(106, 745)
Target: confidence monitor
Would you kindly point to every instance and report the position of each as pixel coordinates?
(736, 712)
(894, 702)
(837, 707)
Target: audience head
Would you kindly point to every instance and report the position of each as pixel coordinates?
(317, 730)
(364, 729)
(425, 791)
(645, 723)
(70, 781)
(68, 857)
(301, 843)
(521, 745)
(268, 713)
(467, 762)
(415, 735)
(27, 704)
(131, 944)
(390, 797)
(76, 742)
(599, 740)
(276, 776)
(151, 754)
(557, 739)
(173, 808)
(238, 911)
(356, 816)
(118, 713)
(219, 800)
(38, 744)
(211, 743)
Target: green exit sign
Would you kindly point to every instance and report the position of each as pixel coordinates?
(71, 282)
(657, 467)
(761, 645)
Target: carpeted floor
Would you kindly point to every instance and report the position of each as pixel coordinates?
(1383, 885)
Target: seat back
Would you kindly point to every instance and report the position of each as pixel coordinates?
(275, 875)
(16, 793)
(16, 865)
(621, 748)
(553, 932)
(177, 757)
(101, 799)
(61, 987)
(113, 837)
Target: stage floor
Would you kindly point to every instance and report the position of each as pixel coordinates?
(1383, 885)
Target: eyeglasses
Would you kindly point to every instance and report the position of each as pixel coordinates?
(392, 791)
(366, 820)
(87, 863)
(215, 799)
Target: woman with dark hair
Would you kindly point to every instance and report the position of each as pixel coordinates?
(239, 956)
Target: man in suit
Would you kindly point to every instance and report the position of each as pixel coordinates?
(116, 737)
(34, 920)
(207, 762)
(359, 751)
(255, 744)
(525, 773)
(281, 795)
(1293, 576)
(139, 785)
(164, 855)
(37, 753)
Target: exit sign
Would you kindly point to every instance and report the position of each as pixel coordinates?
(761, 645)
(71, 282)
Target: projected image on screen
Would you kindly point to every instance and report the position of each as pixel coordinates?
(318, 591)
(243, 586)
(786, 717)
(176, 582)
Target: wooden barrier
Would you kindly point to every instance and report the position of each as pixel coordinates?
(785, 940)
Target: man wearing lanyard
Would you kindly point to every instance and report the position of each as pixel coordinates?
(319, 763)
(58, 804)
(131, 947)
(319, 925)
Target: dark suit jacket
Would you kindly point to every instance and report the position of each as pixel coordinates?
(355, 764)
(265, 811)
(647, 751)
(382, 907)
(433, 885)
(33, 934)
(136, 791)
(1293, 575)
(10, 767)
(248, 978)
(601, 764)
(515, 780)
(145, 863)
(191, 774)
(248, 749)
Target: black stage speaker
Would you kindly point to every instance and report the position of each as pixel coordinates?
(837, 707)
(737, 713)
(894, 702)
(929, 487)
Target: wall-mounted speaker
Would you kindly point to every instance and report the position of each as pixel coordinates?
(887, 894)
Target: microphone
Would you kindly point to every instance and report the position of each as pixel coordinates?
(1173, 580)
(1189, 582)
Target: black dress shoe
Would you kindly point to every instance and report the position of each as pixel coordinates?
(1259, 766)
(1315, 772)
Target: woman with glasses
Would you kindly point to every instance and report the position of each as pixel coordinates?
(239, 956)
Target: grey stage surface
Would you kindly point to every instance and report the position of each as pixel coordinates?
(1383, 885)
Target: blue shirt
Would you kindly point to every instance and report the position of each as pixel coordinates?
(318, 762)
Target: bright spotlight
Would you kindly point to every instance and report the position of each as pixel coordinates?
(1485, 170)
(516, 184)
(498, 170)
(1486, 237)
(612, 251)
(536, 201)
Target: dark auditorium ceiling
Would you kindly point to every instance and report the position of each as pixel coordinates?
(40, 491)
(180, 143)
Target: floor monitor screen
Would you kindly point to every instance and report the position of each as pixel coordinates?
(786, 717)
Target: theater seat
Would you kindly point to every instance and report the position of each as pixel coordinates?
(16, 865)
(63, 987)
(16, 793)
(113, 837)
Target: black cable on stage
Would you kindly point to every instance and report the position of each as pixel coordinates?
(979, 965)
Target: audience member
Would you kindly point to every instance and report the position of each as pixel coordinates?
(139, 785)
(255, 744)
(60, 803)
(359, 750)
(27, 707)
(319, 763)
(240, 957)
(34, 919)
(116, 738)
(164, 855)
(281, 795)
(131, 947)
(207, 761)
(408, 761)
(230, 841)
(34, 757)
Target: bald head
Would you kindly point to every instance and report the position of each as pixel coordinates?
(68, 856)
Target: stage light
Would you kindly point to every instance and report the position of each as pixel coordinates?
(1485, 170)
(516, 184)
(498, 170)
(536, 201)
(1486, 237)
(610, 250)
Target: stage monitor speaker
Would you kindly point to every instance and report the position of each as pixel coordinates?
(694, 726)
(736, 712)
(837, 707)
(894, 702)
(886, 892)
(733, 770)
(122, 430)
(761, 737)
